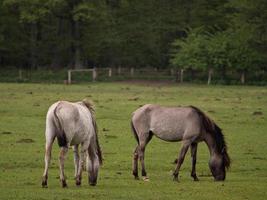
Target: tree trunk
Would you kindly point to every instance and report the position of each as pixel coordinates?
(210, 75)
(182, 76)
(242, 79)
(177, 76)
(76, 48)
(192, 72)
(33, 45)
(56, 60)
(223, 73)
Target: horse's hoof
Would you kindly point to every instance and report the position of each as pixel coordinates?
(175, 178)
(92, 184)
(136, 178)
(78, 183)
(194, 176)
(44, 185)
(64, 184)
(145, 178)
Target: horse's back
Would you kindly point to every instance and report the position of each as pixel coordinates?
(72, 119)
(168, 123)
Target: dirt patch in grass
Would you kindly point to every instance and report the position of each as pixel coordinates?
(105, 129)
(150, 82)
(257, 113)
(25, 140)
(134, 99)
(211, 111)
(111, 136)
(6, 133)
(36, 104)
(259, 158)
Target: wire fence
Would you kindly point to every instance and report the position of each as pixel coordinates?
(72, 76)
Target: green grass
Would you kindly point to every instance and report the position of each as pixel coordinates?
(240, 111)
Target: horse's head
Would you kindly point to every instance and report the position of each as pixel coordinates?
(218, 165)
(93, 163)
(93, 179)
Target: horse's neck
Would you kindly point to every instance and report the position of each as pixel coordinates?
(210, 141)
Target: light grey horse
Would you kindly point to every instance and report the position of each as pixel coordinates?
(187, 124)
(73, 124)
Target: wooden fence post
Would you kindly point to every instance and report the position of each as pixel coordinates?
(69, 76)
(119, 70)
(171, 71)
(109, 72)
(20, 74)
(94, 74)
(132, 71)
(210, 75)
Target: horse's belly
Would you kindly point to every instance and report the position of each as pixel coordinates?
(77, 139)
(168, 135)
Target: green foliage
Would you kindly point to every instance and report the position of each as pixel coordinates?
(131, 33)
(191, 52)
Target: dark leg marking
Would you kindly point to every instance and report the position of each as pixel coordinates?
(180, 160)
(194, 160)
(135, 163)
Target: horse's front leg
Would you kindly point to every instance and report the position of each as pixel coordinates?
(194, 160)
(180, 160)
(62, 154)
(143, 141)
(141, 155)
(76, 159)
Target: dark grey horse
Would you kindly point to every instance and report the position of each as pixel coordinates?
(187, 124)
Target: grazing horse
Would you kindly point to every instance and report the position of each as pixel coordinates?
(187, 124)
(73, 124)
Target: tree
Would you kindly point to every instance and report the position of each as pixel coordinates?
(29, 15)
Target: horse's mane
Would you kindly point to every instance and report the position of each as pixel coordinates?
(90, 105)
(211, 127)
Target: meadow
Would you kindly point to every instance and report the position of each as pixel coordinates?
(241, 111)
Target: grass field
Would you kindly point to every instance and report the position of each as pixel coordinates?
(240, 111)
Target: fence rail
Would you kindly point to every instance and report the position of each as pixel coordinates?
(70, 76)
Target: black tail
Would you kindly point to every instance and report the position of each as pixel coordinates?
(216, 132)
(90, 105)
(99, 151)
(134, 132)
(60, 134)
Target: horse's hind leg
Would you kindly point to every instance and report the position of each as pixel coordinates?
(50, 137)
(135, 163)
(194, 160)
(180, 160)
(62, 154)
(76, 160)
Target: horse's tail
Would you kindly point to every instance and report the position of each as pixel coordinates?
(216, 132)
(134, 132)
(99, 151)
(90, 107)
(60, 133)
